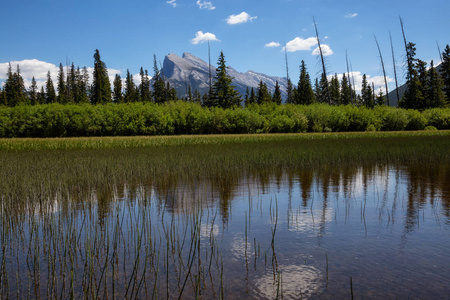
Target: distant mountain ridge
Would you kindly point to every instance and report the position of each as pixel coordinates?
(191, 70)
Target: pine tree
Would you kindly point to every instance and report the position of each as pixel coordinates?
(366, 93)
(289, 91)
(247, 95)
(33, 91)
(50, 90)
(322, 89)
(335, 93)
(83, 85)
(380, 99)
(41, 96)
(101, 87)
(171, 93)
(252, 97)
(263, 93)
(276, 98)
(159, 87)
(14, 88)
(144, 87)
(2, 97)
(72, 87)
(224, 93)
(346, 91)
(129, 94)
(305, 94)
(445, 71)
(435, 94)
(197, 97)
(413, 97)
(117, 89)
(62, 90)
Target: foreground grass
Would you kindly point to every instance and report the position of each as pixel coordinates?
(19, 144)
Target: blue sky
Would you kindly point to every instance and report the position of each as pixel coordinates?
(129, 32)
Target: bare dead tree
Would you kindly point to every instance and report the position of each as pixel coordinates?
(209, 69)
(384, 71)
(323, 64)
(353, 80)
(408, 58)
(439, 49)
(288, 83)
(373, 93)
(348, 76)
(395, 68)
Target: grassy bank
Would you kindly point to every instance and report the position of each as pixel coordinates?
(175, 118)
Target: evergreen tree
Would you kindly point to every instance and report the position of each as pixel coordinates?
(252, 97)
(346, 91)
(171, 93)
(130, 94)
(14, 91)
(144, 87)
(435, 94)
(289, 91)
(159, 87)
(413, 97)
(72, 87)
(83, 85)
(305, 94)
(50, 90)
(117, 90)
(2, 97)
(189, 95)
(321, 89)
(224, 93)
(263, 93)
(33, 91)
(62, 90)
(445, 71)
(41, 96)
(335, 93)
(101, 87)
(380, 99)
(366, 93)
(247, 95)
(276, 98)
(197, 97)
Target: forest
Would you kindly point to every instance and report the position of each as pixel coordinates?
(80, 106)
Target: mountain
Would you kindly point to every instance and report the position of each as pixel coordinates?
(191, 70)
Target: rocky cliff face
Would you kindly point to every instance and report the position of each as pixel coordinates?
(190, 70)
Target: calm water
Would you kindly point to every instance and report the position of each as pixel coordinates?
(377, 232)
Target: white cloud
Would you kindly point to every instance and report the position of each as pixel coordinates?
(351, 15)
(378, 81)
(300, 44)
(326, 50)
(201, 37)
(243, 17)
(172, 2)
(272, 44)
(205, 5)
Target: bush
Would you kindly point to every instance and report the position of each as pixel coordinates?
(430, 128)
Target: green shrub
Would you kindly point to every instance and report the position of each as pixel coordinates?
(430, 128)
(438, 117)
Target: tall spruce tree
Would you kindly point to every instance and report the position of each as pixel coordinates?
(366, 93)
(445, 71)
(144, 87)
(276, 98)
(159, 87)
(435, 94)
(33, 91)
(62, 89)
(335, 92)
(224, 93)
(101, 87)
(41, 96)
(130, 94)
(305, 93)
(413, 96)
(72, 87)
(346, 91)
(263, 94)
(117, 89)
(50, 90)
(14, 91)
(83, 85)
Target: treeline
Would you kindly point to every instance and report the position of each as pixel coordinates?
(183, 117)
(426, 88)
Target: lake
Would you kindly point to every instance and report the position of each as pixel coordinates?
(363, 231)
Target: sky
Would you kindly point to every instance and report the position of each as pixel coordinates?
(40, 34)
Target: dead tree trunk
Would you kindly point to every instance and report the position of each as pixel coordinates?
(323, 64)
(395, 69)
(384, 71)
